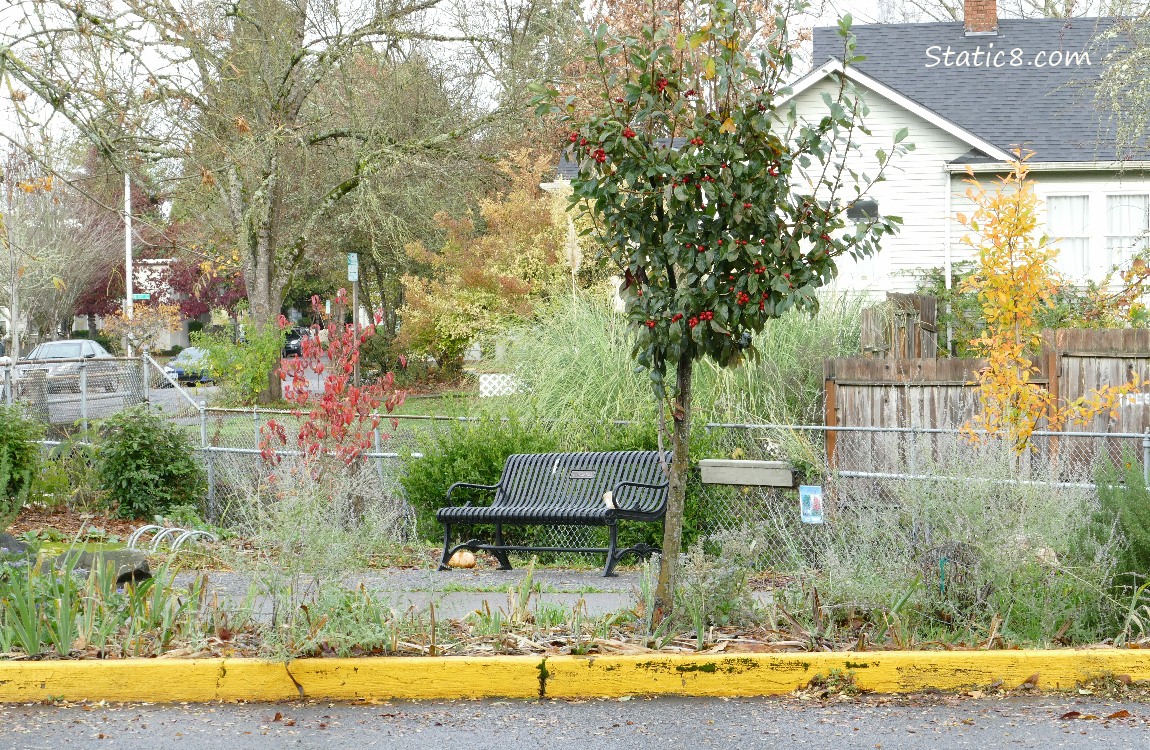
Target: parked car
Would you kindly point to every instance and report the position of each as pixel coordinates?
(293, 341)
(61, 361)
(189, 366)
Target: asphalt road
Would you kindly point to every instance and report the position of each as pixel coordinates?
(937, 723)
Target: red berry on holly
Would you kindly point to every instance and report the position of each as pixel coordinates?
(573, 137)
(628, 133)
(650, 324)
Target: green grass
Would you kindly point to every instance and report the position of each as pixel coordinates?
(452, 404)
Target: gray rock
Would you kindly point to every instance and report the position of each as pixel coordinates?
(10, 546)
(131, 564)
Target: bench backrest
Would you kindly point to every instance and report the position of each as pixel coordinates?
(578, 480)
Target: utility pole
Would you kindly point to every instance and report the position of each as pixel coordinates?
(14, 269)
(127, 245)
(353, 277)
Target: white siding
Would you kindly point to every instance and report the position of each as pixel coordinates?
(914, 189)
(1096, 185)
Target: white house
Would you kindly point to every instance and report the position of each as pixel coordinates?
(969, 93)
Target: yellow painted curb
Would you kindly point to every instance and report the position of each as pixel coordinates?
(880, 672)
(200, 680)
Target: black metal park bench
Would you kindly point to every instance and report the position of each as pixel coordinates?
(564, 489)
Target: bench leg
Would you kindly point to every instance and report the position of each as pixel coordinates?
(612, 554)
(446, 547)
(500, 555)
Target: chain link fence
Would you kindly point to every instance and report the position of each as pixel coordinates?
(861, 470)
(864, 472)
(68, 394)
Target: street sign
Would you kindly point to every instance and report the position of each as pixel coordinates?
(353, 266)
(141, 296)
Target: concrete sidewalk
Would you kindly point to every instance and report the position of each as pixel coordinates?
(455, 593)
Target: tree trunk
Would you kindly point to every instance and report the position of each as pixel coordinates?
(677, 495)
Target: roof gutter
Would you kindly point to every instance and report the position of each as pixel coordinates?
(1054, 166)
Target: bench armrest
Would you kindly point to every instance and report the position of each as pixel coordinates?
(640, 485)
(453, 487)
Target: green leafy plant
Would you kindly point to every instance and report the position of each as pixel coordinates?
(67, 475)
(145, 465)
(241, 367)
(19, 460)
(50, 611)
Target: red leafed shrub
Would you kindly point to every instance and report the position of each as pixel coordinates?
(339, 421)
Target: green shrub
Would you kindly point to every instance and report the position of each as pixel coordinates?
(145, 465)
(241, 368)
(19, 460)
(1125, 500)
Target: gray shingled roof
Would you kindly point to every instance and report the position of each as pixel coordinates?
(569, 170)
(1048, 109)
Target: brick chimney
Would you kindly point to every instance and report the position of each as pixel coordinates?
(980, 17)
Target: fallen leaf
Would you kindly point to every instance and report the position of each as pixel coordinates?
(1123, 714)
(1070, 715)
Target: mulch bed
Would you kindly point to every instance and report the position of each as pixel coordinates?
(71, 523)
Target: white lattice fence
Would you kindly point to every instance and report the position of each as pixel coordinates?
(499, 384)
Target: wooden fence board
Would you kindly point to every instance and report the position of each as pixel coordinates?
(943, 393)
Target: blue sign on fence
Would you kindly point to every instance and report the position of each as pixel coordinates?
(811, 503)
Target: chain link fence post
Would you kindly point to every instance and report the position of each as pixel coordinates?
(84, 398)
(9, 384)
(1146, 458)
(378, 443)
(256, 426)
(145, 378)
(209, 459)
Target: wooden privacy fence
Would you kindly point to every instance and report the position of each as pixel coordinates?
(943, 393)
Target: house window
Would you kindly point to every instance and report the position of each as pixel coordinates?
(1127, 228)
(1068, 221)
